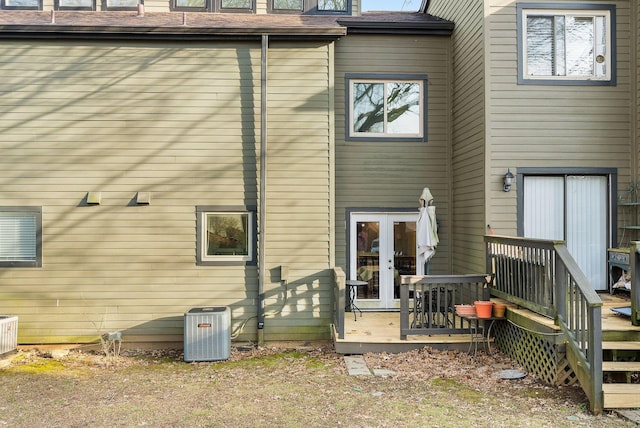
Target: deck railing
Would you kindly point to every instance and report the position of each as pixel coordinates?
(427, 303)
(542, 276)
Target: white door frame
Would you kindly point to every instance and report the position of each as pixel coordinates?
(384, 252)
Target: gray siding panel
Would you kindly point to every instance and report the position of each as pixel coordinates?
(391, 174)
(468, 132)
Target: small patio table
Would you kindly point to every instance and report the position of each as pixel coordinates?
(352, 285)
(485, 336)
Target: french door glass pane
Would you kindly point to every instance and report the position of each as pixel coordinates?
(368, 259)
(404, 252)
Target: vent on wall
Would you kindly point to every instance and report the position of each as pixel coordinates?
(8, 334)
(207, 334)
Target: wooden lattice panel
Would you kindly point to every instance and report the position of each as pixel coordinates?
(538, 355)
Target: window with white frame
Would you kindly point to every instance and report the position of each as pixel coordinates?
(570, 45)
(388, 107)
(310, 6)
(226, 235)
(20, 237)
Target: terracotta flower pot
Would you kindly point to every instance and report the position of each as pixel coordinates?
(483, 309)
(499, 309)
(465, 310)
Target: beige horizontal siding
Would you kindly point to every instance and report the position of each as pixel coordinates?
(183, 123)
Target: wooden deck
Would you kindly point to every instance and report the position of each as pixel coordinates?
(614, 326)
(380, 331)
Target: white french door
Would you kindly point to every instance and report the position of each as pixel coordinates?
(572, 208)
(382, 248)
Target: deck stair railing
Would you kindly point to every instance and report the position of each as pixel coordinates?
(542, 276)
(427, 302)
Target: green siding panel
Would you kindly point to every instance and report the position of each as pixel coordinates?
(183, 123)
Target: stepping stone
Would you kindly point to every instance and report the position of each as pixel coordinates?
(356, 365)
(383, 372)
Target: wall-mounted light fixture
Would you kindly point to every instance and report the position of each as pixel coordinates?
(508, 181)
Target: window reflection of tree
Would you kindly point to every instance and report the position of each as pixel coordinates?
(227, 235)
(332, 5)
(369, 104)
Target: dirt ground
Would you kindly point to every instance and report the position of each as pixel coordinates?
(289, 386)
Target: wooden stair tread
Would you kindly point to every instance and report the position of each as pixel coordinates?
(621, 366)
(621, 346)
(621, 395)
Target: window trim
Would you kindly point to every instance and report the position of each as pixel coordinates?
(202, 259)
(37, 212)
(4, 6)
(309, 7)
(423, 79)
(524, 9)
(214, 6)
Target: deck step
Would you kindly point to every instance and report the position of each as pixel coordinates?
(621, 395)
(621, 366)
(621, 346)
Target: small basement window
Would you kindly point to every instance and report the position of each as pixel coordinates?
(226, 235)
(20, 237)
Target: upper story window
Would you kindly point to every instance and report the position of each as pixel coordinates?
(570, 45)
(387, 107)
(242, 6)
(20, 237)
(310, 6)
(74, 4)
(120, 4)
(21, 4)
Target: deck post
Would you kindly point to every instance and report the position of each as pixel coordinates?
(339, 300)
(635, 282)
